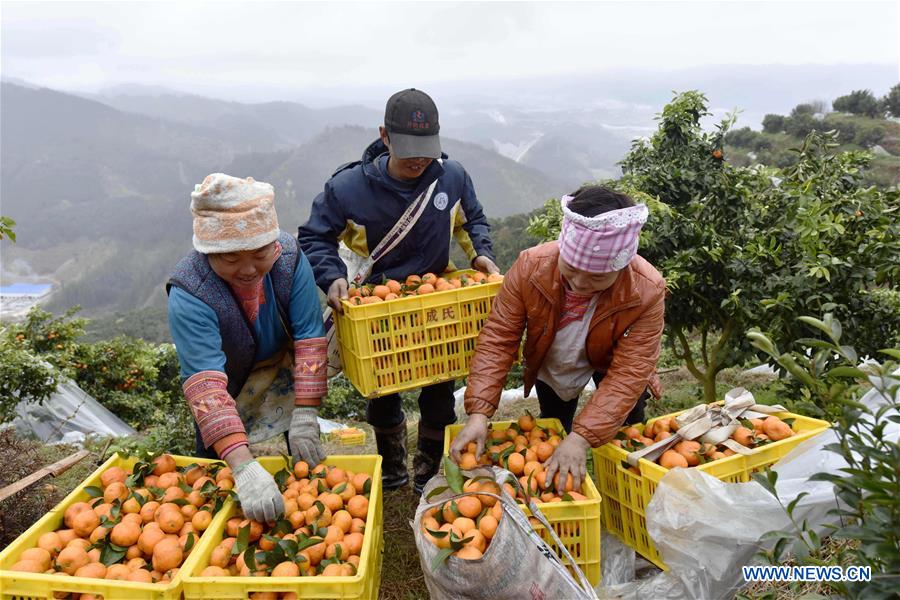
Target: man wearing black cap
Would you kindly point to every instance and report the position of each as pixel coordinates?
(360, 205)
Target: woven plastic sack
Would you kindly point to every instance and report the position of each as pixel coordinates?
(517, 563)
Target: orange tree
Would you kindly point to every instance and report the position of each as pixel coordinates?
(744, 247)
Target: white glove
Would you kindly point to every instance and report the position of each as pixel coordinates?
(258, 492)
(304, 435)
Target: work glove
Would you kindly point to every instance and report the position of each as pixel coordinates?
(258, 493)
(306, 444)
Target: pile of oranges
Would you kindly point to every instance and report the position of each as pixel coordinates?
(138, 527)
(524, 449)
(415, 285)
(321, 532)
(465, 527)
(753, 433)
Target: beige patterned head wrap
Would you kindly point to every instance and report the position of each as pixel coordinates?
(233, 214)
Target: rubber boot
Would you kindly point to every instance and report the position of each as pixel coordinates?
(392, 448)
(427, 461)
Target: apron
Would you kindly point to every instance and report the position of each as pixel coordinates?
(266, 402)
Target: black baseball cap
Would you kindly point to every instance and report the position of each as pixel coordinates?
(411, 119)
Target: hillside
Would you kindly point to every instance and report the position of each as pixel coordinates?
(101, 196)
(772, 146)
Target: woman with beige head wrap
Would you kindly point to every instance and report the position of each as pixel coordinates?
(245, 318)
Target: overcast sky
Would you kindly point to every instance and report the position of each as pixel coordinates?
(334, 46)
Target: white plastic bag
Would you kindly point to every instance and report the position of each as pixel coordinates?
(517, 563)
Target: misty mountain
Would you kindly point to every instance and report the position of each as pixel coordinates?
(101, 196)
(262, 127)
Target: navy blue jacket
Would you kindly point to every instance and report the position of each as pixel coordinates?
(361, 203)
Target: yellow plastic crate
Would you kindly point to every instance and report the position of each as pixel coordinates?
(412, 342)
(627, 494)
(576, 523)
(364, 584)
(348, 437)
(33, 586)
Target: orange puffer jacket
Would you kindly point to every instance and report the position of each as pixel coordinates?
(623, 340)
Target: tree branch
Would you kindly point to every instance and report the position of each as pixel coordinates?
(688, 359)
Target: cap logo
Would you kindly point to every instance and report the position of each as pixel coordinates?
(418, 120)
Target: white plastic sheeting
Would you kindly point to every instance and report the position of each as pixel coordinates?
(68, 417)
(706, 529)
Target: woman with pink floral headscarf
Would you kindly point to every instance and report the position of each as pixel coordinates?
(589, 306)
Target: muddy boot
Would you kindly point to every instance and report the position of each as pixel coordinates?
(427, 461)
(392, 448)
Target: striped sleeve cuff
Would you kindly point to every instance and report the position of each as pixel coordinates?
(310, 371)
(213, 407)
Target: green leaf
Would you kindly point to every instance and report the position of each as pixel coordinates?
(340, 488)
(281, 526)
(250, 558)
(440, 558)
(189, 543)
(437, 491)
(847, 372)
(242, 541)
(93, 491)
(111, 554)
(453, 474)
(767, 479)
(367, 487)
(892, 352)
(310, 541)
(437, 534)
(281, 478)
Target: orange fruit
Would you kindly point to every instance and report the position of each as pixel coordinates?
(113, 474)
(526, 423)
(743, 436)
(170, 521)
(469, 553)
(94, 570)
(74, 510)
(51, 542)
(256, 528)
(286, 569)
(544, 451)
(148, 539)
(85, 522)
(167, 554)
(39, 556)
(125, 534)
(358, 506)
(343, 520)
(469, 506)
(516, 463)
(425, 288)
(117, 572)
(71, 559)
(413, 280)
(353, 543)
(148, 511)
(164, 464)
(115, 491)
(167, 480)
(201, 520)
(531, 467)
(358, 526)
(463, 525)
(27, 566)
(671, 459)
(776, 429)
(332, 501)
(139, 576)
(381, 291)
(468, 461)
(487, 525)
